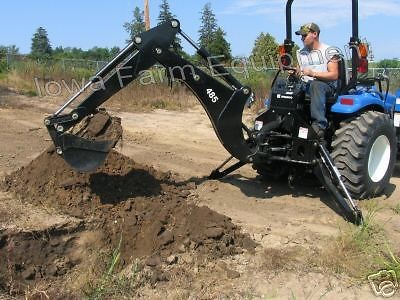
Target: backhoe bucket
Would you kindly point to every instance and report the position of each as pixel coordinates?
(82, 154)
(86, 145)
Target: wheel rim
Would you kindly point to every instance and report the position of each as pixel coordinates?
(379, 158)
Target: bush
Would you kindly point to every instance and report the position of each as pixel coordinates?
(3, 66)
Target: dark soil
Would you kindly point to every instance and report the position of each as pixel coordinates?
(100, 126)
(31, 256)
(125, 201)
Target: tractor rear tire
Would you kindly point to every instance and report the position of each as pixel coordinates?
(364, 151)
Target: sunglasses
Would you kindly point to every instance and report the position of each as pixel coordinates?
(303, 36)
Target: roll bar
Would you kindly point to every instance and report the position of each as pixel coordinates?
(353, 43)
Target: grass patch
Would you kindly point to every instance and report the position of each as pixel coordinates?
(136, 97)
(148, 92)
(23, 76)
(359, 251)
(30, 93)
(396, 209)
(280, 259)
(113, 284)
(392, 262)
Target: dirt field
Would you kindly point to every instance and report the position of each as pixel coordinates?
(149, 224)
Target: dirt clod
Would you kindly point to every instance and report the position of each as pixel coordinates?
(232, 274)
(153, 261)
(172, 259)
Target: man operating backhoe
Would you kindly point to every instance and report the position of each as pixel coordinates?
(319, 70)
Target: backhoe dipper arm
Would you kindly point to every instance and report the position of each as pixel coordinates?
(223, 100)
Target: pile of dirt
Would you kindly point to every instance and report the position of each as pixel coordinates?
(125, 201)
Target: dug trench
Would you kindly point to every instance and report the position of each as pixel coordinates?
(137, 209)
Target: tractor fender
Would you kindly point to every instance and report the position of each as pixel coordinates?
(397, 106)
(349, 104)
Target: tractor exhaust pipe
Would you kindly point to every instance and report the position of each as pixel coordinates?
(288, 43)
(355, 18)
(289, 20)
(353, 44)
(354, 40)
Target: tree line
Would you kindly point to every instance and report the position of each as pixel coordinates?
(211, 37)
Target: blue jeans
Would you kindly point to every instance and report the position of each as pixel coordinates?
(319, 91)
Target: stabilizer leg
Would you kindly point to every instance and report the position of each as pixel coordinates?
(217, 174)
(331, 178)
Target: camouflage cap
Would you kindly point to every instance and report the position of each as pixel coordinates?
(306, 28)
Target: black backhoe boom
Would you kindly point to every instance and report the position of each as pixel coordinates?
(223, 101)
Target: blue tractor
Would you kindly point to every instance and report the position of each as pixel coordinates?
(362, 138)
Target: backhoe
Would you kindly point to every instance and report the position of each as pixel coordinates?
(355, 161)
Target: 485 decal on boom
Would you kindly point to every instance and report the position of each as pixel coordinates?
(211, 94)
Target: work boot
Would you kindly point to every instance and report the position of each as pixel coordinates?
(319, 131)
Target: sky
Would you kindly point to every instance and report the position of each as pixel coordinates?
(89, 23)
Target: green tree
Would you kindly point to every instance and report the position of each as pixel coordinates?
(389, 63)
(3, 57)
(95, 53)
(68, 53)
(295, 49)
(41, 48)
(165, 12)
(74, 52)
(4, 50)
(12, 50)
(114, 51)
(164, 16)
(265, 50)
(58, 52)
(208, 26)
(219, 46)
(211, 36)
(136, 26)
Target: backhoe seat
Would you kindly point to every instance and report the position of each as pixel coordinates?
(341, 82)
